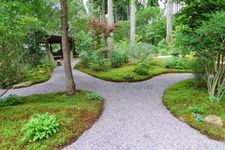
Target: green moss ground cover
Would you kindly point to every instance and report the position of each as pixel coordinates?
(157, 67)
(183, 99)
(75, 114)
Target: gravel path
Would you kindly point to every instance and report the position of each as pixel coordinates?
(2, 92)
(134, 117)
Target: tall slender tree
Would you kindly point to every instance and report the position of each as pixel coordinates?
(110, 23)
(70, 85)
(169, 36)
(132, 23)
(103, 10)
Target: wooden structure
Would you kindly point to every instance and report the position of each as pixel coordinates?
(56, 39)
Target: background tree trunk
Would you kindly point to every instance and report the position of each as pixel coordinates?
(103, 11)
(110, 22)
(70, 85)
(169, 36)
(132, 24)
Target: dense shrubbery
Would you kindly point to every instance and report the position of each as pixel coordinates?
(142, 48)
(119, 55)
(41, 127)
(207, 41)
(21, 29)
(122, 32)
(10, 100)
(142, 67)
(99, 62)
(34, 51)
(44, 66)
(178, 63)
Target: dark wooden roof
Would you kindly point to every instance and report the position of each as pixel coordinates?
(56, 38)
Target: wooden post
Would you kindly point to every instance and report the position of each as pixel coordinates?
(48, 48)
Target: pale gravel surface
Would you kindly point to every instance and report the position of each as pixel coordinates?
(134, 117)
(2, 92)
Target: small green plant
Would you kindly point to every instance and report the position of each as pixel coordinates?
(141, 70)
(198, 117)
(142, 67)
(93, 96)
(198, 108)
(213, 99)
(10, 100)
(40, 127)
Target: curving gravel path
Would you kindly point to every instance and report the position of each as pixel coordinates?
(134, 117)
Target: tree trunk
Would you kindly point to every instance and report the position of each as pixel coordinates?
(132, 24)
(169, 36)
(103, 11)
(110, 22)
(70, 85)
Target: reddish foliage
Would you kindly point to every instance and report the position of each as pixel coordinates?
(101, 28)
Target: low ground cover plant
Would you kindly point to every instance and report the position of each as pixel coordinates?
(93, 96)
(10, 100)
(40, 127)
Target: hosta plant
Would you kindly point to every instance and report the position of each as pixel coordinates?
(41, 127)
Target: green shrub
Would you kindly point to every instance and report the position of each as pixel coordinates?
(199, 73)
(142, 67)
(41, 127)
(33, 53)
(85, 57)
(143, 48)
(123, 31)
(10, 100)
(178, 63)
(118, 57)
(83, 42)
(93, 96)
(98, 62)
(139, 69)
(10, 74)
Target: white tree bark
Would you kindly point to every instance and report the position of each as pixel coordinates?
(169, 36)
(110, 22)
(103, 11)
(132, 24)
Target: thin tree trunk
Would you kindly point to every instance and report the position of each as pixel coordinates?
(110, 22)
(132, 24)
(169, 36)
(70, 85)
(103, 11)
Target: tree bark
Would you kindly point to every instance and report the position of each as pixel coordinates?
(110, 22)
(169, 36)
(70, 85)
(103, 11)
(132, 24)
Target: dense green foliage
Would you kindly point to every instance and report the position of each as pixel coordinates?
(21, 28)
(178, 63)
